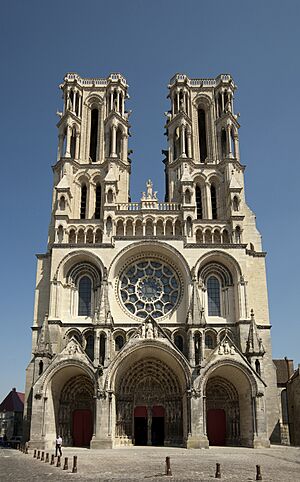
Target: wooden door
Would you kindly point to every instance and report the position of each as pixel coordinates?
(216, 426)
(82, 428)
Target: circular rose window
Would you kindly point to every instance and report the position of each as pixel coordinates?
(149, 287)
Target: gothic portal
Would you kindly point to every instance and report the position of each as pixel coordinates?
(151, 322)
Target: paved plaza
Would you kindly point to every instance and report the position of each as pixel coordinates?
(148, 463)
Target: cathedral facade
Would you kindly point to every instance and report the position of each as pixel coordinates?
(151, 323)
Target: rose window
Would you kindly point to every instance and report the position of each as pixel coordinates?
(149, 287)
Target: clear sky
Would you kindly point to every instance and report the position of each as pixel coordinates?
(147, 41)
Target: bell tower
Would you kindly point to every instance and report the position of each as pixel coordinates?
(92, 169)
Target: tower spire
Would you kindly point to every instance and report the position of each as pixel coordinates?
(254, 343)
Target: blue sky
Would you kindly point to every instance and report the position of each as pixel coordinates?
(257, 42)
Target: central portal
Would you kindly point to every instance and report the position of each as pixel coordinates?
(149, 405)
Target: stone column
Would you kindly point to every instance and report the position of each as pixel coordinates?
(102, 438)
(77, 145)
(60, 152)
(183, 127)
(68, 146)
(236, 147)
(197, 438)
(229, 149)
(113, 140)
(189, 143)
(124, 147)
(260, 437)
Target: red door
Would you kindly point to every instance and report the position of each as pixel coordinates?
(82, 427)
(216, 427)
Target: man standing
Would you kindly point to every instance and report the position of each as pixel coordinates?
(58, 444)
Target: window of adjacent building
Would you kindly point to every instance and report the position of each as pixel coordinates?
(85, 296)
(94, 134)
(83, 202)
(213, 296)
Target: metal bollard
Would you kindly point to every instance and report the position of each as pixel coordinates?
(58, 464)
(52, 459)
(168, 466)
(43, 457)
(74, 469)
(47, 458)
(218, 471)
(39, 455)
(258, 473)
(65, 467)
(34, 454)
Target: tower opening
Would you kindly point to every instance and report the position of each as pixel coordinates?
(199, 203)
(94, 134)
(202, 134)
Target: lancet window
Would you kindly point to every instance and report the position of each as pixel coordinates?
(94, 134)
(98, 202)
(83, 204)
(199, 203)
(202, 134)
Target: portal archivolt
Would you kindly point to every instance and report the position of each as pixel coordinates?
(149, 405)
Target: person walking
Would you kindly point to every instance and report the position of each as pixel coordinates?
(58, 444)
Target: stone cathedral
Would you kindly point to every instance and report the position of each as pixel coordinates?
(151, 323)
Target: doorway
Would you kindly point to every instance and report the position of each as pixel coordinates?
(82, 428)
(216, 426)
(140, 426)
(158, 426)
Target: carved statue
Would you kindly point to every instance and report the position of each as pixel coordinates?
(149, 189)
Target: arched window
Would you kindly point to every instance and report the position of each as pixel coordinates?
(178, 340)
(94, 134)
(119, 143)
(209, 342)
(119, 342)
(235, 203)
(60, 234)
(238, 235)
(89, 347)
(213, 194)
(220, 104)
(83, 201)
(98, 236)
(187, 197)
(197, 344)
(98, 202)
(176, 146)
(85, 296)
(41, 367)
(72, 236)
(199, 203)
(257, 367)
(223, 143)
(62, 203)
(213, 296)
(202, 134)
(188, 226)
(110, 197)
(109, 226)
(73, 143)
(102, 349)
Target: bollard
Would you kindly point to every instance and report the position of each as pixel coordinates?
(42, 456)
(34, 454)
(58, 464)
(26, 449)
(52, 459)
(39, 455)
(218, 471)
(258, 473)
(74, 469)
(168, 466)
(47, 458)
(65, 467)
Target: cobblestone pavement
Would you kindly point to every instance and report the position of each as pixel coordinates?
(148, 463)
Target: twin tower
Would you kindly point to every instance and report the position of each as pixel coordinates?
(151, 323)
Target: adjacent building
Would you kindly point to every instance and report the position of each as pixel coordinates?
(151, 322)
(11, 416)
